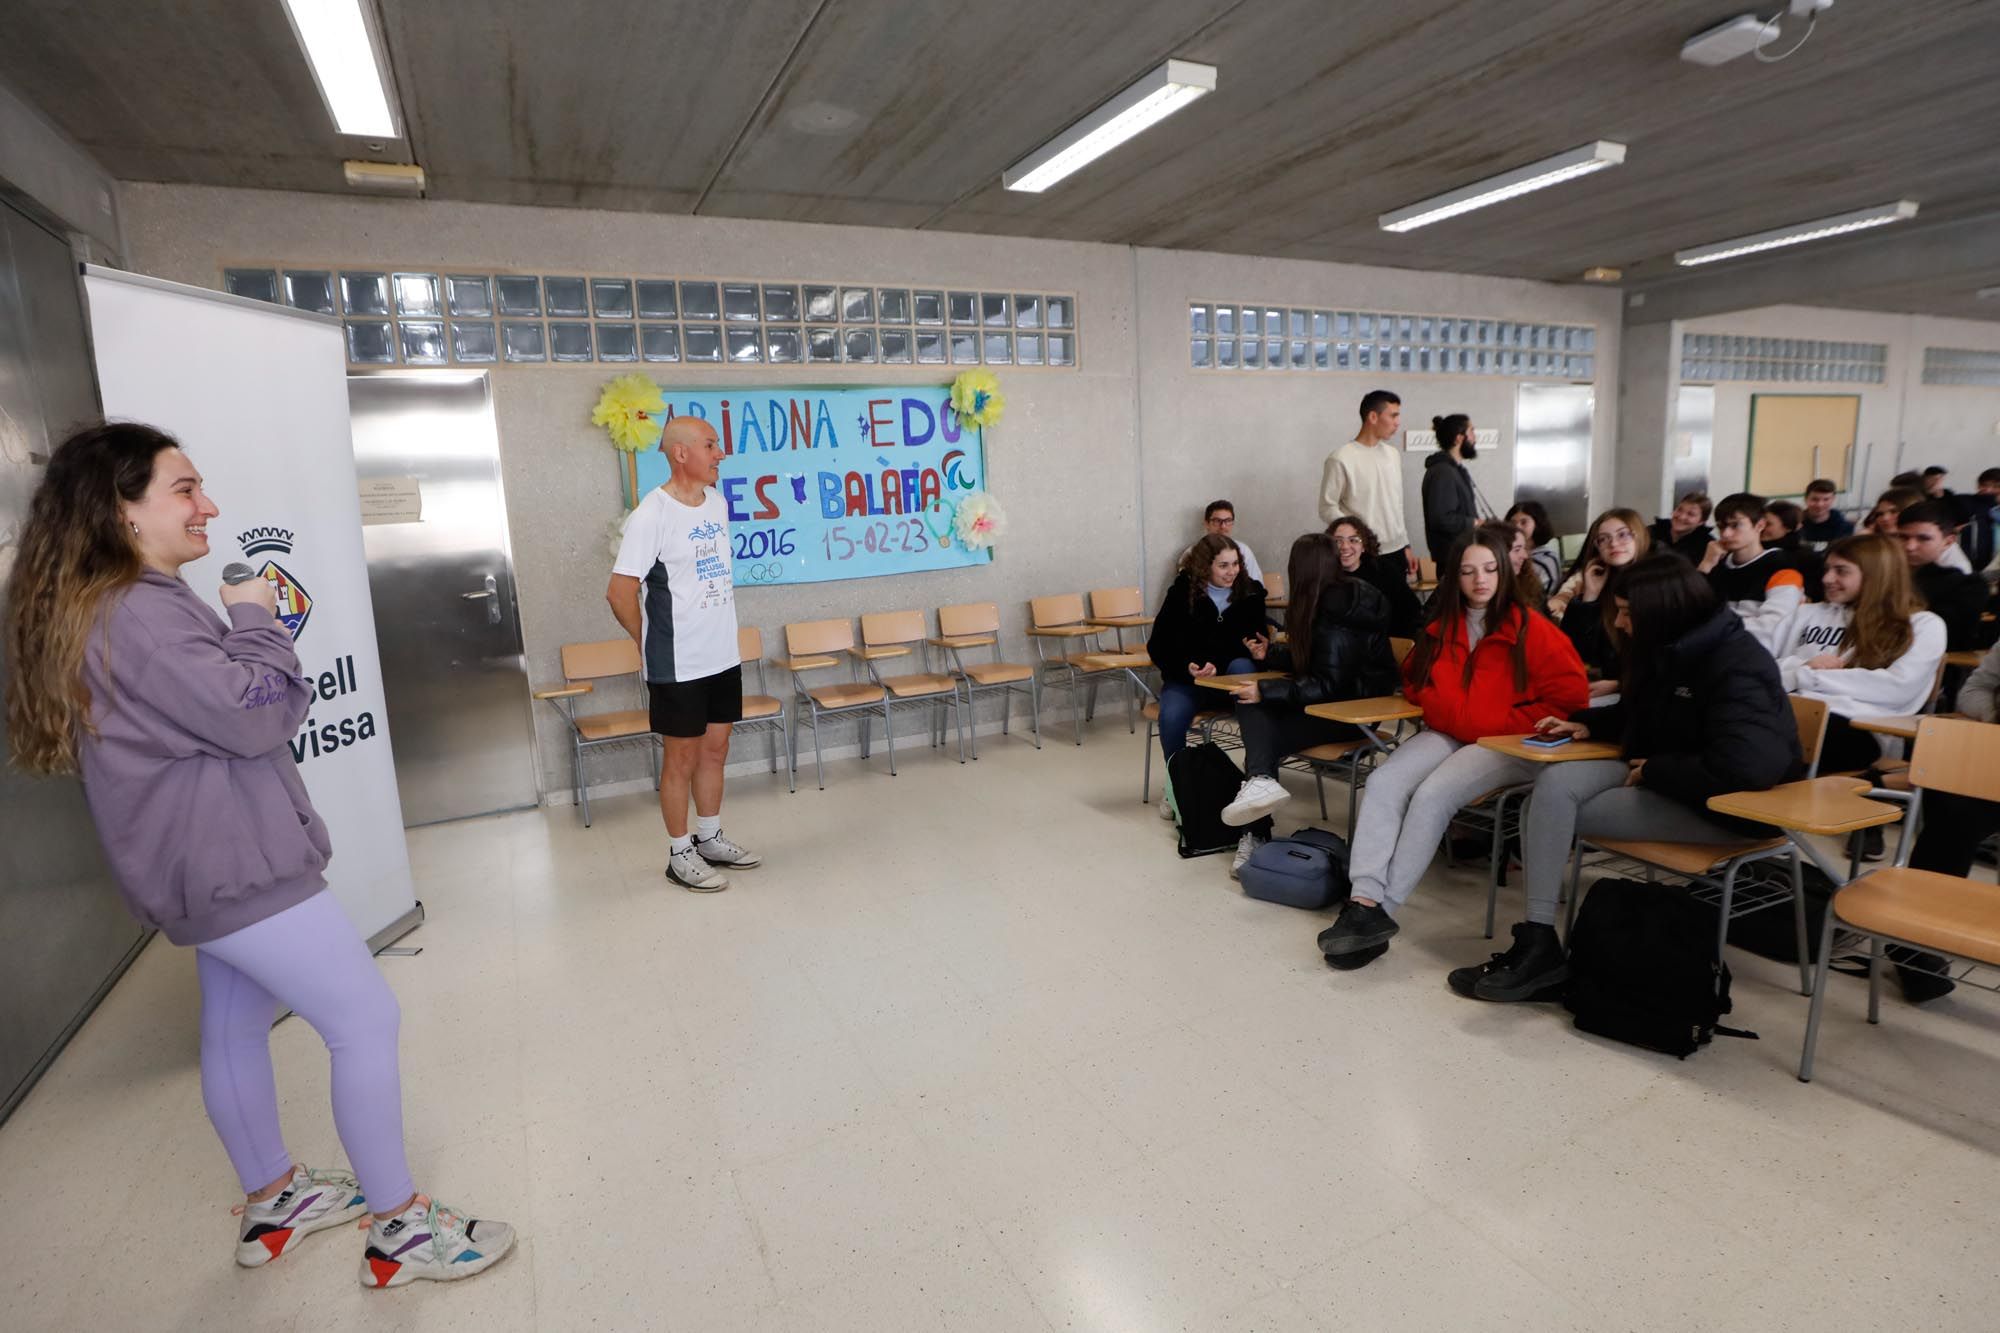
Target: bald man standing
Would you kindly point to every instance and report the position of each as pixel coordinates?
(676, 549)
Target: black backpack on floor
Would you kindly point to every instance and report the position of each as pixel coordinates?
(1201, 779)
(1642, 968)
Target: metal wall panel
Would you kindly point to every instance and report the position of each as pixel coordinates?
(1694, 437)
(1552, 426)
(446, 617)
(64, 933)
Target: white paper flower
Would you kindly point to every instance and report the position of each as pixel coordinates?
(979, 521)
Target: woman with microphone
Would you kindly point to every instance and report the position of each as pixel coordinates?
(180, 723)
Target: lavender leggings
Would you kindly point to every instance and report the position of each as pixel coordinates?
(308, 959)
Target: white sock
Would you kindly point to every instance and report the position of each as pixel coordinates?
(707, 826)
(683, 844)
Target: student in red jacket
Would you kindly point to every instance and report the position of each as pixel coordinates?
(1484, 665)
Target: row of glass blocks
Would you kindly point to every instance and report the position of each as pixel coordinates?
(432, 319)
(422, 342)
(1782, 372)
(1318, 354)
(1961, 366)
(1709, 345)
(1226, 321)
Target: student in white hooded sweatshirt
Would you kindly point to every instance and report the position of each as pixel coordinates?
(1866, 651)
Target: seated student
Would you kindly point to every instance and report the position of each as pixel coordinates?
(1534, 595)
(1761, 585)
(1484, 666)
(1336, 647)
(1824, 525)
(1869, 650)
(1355, 543)
(1615, 541)
(1882, 519)
(1955, 826)
(1981, 534)
(1533, 519)
(1780, 530)
(1908, 481)
(1219, 520)
(1685, 531)
(1700, 712)
(1210, 621)
(1958, 598)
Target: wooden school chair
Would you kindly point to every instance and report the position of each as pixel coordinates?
(972, 625)
(1920, 909)
(888, 635)
(815, 645)
(1065, 645)
(1118, 609)
(1274, 591)
(584, 666)
(763, 711)
(1712, 869)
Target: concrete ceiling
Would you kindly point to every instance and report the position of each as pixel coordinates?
(880, 112)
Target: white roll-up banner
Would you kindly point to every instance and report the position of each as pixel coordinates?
(257, 395)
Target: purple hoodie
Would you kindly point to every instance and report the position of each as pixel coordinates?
(190, 775)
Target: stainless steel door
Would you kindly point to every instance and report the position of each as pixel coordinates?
(441, 573)
(64, 933)
(1694, 438)
(1552, 424)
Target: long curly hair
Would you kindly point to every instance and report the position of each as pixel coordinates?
(75, 553)
(1201, 557)
(1878, 627)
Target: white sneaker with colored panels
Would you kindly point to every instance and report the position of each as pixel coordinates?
(311, 1201)
(428, 1241)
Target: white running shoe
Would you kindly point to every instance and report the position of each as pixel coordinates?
(430, 1241)
(312, 1201)
(691, 872)
(1257, 797)
(720, 851)
(1166, 809)
(1245, 845)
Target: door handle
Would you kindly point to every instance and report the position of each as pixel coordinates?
(490, 594)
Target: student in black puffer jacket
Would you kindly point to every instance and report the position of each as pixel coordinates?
(1336, 647)
(1701, 712)
(1212, 621)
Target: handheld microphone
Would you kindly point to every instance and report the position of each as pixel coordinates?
(237, 572)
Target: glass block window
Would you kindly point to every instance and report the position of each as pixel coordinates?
(1962, 366)
(1237, 335)
(440, 319)
(1718, 357)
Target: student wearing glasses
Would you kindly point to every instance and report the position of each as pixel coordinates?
(1616, 540)
(1219, 520)
(1355, 544)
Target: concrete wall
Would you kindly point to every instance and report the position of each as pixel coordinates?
(1081, 453)
(1957, 428)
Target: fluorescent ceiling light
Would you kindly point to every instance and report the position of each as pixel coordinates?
(1839, 224)
(1146, 103)
(345, 64)
(1508, 185)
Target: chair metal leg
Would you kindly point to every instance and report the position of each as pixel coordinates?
(1319, 788)
(819, 760)
(582, 790)
(889, 731)
(1799, 922)
(867, 724)
(1722, 915)
(957, 720)
(1146, 765)
(1035, 705)
(1493, 860)
(1818, 997)
(1875, 980)
(791, 751)
(1575, 876)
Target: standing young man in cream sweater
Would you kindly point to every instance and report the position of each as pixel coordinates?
(1364, 479)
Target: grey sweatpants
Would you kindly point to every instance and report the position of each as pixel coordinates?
(1410, 800)
(1589, 798)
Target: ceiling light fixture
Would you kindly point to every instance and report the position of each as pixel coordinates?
(1508, 185)
(1603, 274)
(1799, 233)
(1145, 104)
(346, 63)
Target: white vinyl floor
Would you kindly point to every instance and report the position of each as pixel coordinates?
(974, 1049)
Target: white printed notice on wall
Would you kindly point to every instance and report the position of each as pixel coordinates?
(391, 500)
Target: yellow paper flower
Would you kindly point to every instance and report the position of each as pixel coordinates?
(632, 410)
(979, 521)
(975, 397)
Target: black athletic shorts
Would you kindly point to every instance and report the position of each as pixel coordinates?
(684, 708)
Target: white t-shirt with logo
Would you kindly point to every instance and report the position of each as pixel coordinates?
(687, 597)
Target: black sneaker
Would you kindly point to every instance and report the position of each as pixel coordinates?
(1354, 962)
(1533, 967)
(1356, 928)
